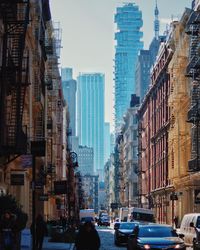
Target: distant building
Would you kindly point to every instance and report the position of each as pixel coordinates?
(90, 115)
(106, 141)
(147, 59)
(67, 74)
(86, 160)
(90, 188)
(102, 196)
(69, 92)
(128, 43)
(142, 73)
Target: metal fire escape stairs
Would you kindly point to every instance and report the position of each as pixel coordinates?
(193, 71)
(13, 76)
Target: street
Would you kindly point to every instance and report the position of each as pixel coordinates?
(107, 238)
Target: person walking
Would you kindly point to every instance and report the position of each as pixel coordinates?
(40, 231)
(87, 237)
(7, 231)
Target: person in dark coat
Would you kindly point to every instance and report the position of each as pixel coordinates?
(7, 231)
(87, 237)
(40, 231)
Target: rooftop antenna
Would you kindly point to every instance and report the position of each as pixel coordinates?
(156, 22)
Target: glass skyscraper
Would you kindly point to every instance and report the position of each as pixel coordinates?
(90, 115)
(128, 43)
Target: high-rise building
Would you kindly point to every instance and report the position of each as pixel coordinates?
(90, 115)
(146, 60)
(69, 92)
(142, 73)
(128, 43)
(67, 74)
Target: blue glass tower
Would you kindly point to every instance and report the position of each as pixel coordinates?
(90, 115)
(128, 43)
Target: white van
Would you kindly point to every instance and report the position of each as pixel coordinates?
(186, 229)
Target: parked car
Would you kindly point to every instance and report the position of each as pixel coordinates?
(155, 236)
(122, 232)
(103, 221)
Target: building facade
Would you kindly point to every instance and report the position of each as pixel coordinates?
(107, 144)
(69, 92)
(90, 116)
(31, 109)
(142, 73)
(128, 43)
(86, 160)
(153, 139)
(130, 153)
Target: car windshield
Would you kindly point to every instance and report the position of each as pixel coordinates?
(157, 232)
(127, 225)
(142, 216)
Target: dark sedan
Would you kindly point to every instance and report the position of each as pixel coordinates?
(122, 232)
(155, 236)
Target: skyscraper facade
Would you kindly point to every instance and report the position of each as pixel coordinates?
(90, 115)
(128, 43)
(142, 73)
(69, 92)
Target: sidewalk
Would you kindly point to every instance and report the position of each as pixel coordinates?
(26, 243)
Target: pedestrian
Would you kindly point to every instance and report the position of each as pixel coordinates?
(176, 221)
(7, 231)
(40, 231)
(87, 237)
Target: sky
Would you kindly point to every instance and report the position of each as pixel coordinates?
(88, 35)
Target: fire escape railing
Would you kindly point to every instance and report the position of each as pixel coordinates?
(13, 76)
(193, 71)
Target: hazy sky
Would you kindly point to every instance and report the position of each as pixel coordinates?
(88, 34)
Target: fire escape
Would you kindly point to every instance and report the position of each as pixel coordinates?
(13, 76)
(193, 71)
